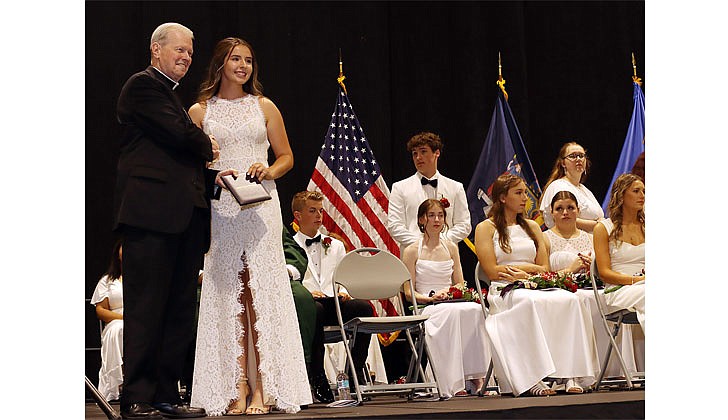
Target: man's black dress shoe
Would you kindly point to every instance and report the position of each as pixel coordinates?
(321, 389)
(179, 411)
(140, 411)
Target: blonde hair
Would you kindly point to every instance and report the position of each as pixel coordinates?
(616, 201)
(299, 199)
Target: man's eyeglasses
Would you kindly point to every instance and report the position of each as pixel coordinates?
(575, 156)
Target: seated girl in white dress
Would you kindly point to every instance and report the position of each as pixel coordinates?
(108, 299)
(535, 334)
(455, 331)
(619, 245)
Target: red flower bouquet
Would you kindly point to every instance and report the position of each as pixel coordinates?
(461, 292)
(550, 280)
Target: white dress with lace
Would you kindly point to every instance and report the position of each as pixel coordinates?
(455, 332)
(248, 237)
(589, 207)
(537, 333)
(110, 374)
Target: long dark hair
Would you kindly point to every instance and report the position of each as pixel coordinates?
(220, 56)
(500, 188)
(114, 270)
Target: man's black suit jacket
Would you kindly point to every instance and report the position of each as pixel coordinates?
(161, 171)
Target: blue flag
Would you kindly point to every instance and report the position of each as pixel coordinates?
(634, 143)
(502, 152)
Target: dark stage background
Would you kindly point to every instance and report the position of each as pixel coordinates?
(410, 66)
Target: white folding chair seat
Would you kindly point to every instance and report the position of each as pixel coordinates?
(373, 274)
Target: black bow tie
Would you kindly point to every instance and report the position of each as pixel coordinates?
(312, 240)
(426, 181)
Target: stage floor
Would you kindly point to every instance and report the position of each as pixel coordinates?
(594, 405)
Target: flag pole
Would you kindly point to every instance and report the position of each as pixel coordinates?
(634, 72)
(341, 77)
(501, 81)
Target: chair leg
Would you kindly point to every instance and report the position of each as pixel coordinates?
(482, 389)
(350, 360)
(111, 414)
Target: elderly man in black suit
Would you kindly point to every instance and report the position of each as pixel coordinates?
(162, 209)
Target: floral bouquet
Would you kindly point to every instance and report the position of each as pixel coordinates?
(460, 292)
(542, 281)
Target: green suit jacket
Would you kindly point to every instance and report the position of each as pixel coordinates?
(305, 307)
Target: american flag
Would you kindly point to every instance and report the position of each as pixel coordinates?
(348, 175)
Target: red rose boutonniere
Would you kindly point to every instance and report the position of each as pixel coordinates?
(445, 203)
(326, 243)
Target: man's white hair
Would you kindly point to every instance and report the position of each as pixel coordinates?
(160, 34)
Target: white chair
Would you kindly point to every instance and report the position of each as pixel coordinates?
(373, 274)
(480, 276)
(619, 317)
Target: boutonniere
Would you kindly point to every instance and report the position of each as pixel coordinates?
(326, 243)
(445, 203)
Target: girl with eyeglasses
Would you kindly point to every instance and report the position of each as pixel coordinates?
(568, 174)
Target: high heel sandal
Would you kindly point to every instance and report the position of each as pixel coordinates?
(237, 406)
(254, 410)
(540, 390)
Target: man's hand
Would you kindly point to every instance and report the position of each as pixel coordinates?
(344, 296)
(215, 148)
(218, 177)
(318, 294)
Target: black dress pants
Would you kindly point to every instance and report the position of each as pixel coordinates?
(160, 283)
(326, 315)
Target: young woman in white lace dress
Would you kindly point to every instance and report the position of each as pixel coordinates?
(535, 334)
(247, 314)
(619, 244)
(455, 332)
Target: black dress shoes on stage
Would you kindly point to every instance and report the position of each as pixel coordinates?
(179, 411)
(321, 389)
(140, 411)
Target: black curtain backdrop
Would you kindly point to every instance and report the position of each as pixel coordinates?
(409, 66)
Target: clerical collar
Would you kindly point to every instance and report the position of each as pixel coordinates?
(175, 84)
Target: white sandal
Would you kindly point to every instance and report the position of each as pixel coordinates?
(540, 390)
(573, 388)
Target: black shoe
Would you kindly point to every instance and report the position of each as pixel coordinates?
(140, 411)
(178, 411)
(321, 389)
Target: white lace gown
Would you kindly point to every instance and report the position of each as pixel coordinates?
(250, 236)
(537, 334)
(455, 332)
(589, 207)
(110, 374)
(626, 259)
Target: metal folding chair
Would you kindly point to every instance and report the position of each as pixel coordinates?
(480, 276)
(372, 274)
(619, 317)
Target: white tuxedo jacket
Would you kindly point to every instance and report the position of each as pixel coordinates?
(408, 194)
(323, 281)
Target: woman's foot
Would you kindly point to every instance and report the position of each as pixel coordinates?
(540, 390)
(573, 388)
(257, 406)
(237, 407)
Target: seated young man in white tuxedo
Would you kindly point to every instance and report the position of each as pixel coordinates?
(427, 182)
(324, 253)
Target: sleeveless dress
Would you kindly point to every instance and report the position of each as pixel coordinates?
(110, 374)
(564, 251)
(537, 333)
(455, 332)
(248, 237)
(626, 259)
